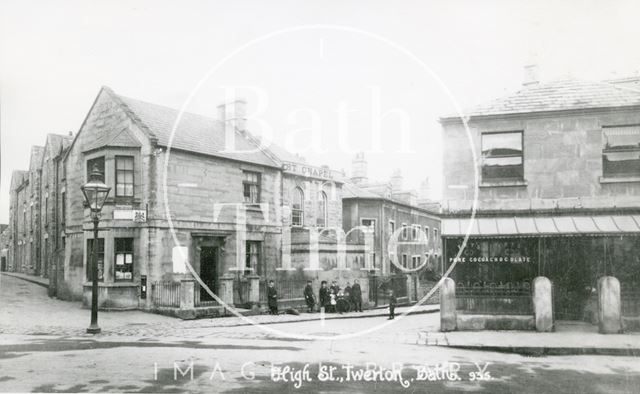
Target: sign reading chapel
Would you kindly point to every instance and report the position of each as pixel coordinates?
(307, 170)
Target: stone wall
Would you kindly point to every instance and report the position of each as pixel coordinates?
(562, 163)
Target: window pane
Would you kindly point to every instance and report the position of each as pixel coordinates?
(621, 137)
(502, 144)
(621, 163)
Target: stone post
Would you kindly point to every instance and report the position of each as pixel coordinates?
(254, 289)
(410, 289)
(226, 289)
(364, 287)
(543, 304)
(187, 303)
(187, 290)
(609, 305)
(448, 314)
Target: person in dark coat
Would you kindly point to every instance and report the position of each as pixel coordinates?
(392, 305)
(308, 297)
(356, 296)
(272, 297)
(324, 295)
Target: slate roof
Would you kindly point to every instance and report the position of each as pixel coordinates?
(195, 133)
(17, 177)
(37, 152)
(56, 143)
(561, 95)
(349, 190)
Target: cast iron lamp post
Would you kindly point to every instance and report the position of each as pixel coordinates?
(95, 193)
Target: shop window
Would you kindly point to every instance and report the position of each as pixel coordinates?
(99, 258)
(253, 261)
(123, 259)
(297, 206)
(124, 176)
(621, 151)
(92, 164)
(251, 187)
(321, 220)
(502, 158)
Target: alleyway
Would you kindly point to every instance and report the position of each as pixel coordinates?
(43, 348)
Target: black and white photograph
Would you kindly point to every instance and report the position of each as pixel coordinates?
(216, 196)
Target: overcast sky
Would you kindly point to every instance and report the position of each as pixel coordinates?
(315, 88)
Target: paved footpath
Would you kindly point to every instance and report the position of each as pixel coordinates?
(31, 311)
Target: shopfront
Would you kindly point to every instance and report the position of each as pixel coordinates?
(572, 251)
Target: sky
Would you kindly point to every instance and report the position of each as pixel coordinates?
(325, 79)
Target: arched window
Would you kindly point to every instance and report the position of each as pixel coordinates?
(297, 207)
(321, 219)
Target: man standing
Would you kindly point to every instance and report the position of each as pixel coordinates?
(324, 295)
(308, 297)
(392, 305)
(272, 296)
(356, 296)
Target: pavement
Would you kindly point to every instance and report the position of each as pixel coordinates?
(568, 339)
(38, 280)
(43, 348)
(70, 319)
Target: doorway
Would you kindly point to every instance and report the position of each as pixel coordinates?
(209, 271)
(569, 265)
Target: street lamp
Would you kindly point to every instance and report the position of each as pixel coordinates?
(95, 193)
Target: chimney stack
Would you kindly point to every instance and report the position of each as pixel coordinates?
(396, 181)
(359, 169)
(234, 114)
(531, 75)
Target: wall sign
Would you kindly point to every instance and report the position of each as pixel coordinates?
(307, 170)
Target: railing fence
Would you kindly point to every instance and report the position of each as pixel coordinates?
(494, 300)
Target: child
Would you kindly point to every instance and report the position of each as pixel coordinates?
(333, 301)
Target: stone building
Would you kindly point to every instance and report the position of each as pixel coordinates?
(558, 188)
(51, 210)
(406, 236)
(207, 198)
(4, 245)
(23, 254)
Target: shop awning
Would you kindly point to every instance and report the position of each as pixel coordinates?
(544, 225)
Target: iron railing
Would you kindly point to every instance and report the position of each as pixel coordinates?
(494, 300)
(288, 289)
(630, 300)
(166, 294)
(201, 297)
(379, 287)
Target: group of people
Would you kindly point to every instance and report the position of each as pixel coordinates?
(329, 296)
